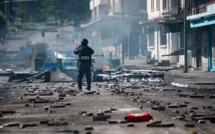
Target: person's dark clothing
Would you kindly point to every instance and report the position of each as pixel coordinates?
(84, 63)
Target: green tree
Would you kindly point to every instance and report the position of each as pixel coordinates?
(3, 25)
(38, 51)
(45, 10)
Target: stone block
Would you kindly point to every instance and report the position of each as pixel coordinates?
(189, 125)
(88, 128)
(12, 124)
(113, 121)
(101, 118)
(28, 125)
(130, 125)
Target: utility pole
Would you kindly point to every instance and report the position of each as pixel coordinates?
(185, 37)
(129, 2)
(122, 32)
(58, 35)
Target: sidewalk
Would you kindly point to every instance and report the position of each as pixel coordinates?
(194, 79)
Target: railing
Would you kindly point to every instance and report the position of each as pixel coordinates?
(198, 6)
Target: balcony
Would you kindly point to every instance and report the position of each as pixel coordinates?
(95, 3)
(196, 7)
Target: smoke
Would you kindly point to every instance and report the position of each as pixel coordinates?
(105, 37)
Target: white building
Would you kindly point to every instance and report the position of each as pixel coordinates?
(105, 28)
(162, 39)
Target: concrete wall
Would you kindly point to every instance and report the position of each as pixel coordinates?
(172, 38)
(156, 13)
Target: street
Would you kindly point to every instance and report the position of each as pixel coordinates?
(74, 111)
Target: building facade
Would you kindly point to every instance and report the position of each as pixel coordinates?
(114, 28)
(202, 22)
(165, 38)
(162, 38)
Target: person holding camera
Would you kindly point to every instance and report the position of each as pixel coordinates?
(84, 63)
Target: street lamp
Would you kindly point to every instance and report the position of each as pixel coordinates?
(140, 39)
(58, 35)
(122, 30)
(185, 37)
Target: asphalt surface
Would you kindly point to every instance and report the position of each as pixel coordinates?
(188, 104)
(181, 106)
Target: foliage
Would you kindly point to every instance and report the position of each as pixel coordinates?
(38, 51)
(53, 10)
(3, 25)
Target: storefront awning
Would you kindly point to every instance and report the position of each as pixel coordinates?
(171, 26)
(203, 19)
(175, 53)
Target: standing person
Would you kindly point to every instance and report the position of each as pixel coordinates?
(84, 53)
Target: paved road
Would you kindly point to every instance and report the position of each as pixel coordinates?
(128, 101)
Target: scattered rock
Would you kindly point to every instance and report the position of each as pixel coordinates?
(28, 125)
(31, 99)
(182, 105)
(76, 132)
(88, 128)
(172, 106)
(82, 112)
(8, 111)
(107, 111)
(100, 114)
(68, 103)
(201, 122)
(44, 122)
(46, 107)
(46, 94)
(141, 107)
(123, 121)
(101, 118)
(193, 132)
(113, 109)
(20, 98)
(12, 124)
(161, 125)
(159, 108)
(27, 105)
(152, 122)
(130, 125)
(197, 96)
(62, 95)
(41, 101)
(194, 108)
(57, 106)
(89, 114)
(180, 117)
(210, 118)
(113, 121)
(183, 95)
(189, 125)
(57, 123)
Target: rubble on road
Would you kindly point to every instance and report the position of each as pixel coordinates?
(56, 106)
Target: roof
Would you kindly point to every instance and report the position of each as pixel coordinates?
(203, 19)
(201, 15)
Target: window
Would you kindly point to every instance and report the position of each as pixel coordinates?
(164, 4)
(151, 38)
(157, 4)
(163, 39)
(152, 5)
(175, 3)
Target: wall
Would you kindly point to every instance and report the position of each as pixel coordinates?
(156, 13)
(172, 43)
